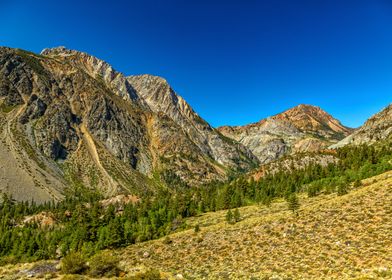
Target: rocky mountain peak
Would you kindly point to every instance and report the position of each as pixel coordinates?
(162, 99)
(96, 68)
(304, 109)
(70, 109)
(160, 96)
(314, 120)
(304, 128)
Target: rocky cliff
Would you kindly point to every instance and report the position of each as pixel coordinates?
(304, 128)
(162, 99)
(376, 128)
(68, 118)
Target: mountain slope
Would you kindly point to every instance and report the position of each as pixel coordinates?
(162, 99)
(376, 128)
(69, 118)
(304, 128)
(332, 237)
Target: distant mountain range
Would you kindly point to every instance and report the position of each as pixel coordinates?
(304, 128)
(69, 119)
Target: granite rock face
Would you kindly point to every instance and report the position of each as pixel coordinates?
(304, 128)
(162, 99)
(72, 117)
(376, 128)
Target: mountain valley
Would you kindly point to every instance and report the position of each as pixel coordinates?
(107, 176)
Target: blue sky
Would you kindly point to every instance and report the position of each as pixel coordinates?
(235, 62)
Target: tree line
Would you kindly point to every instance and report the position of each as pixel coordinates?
(83, 224)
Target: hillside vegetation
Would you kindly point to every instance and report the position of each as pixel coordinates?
(329, 237)
(82, 223)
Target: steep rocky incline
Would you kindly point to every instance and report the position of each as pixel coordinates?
(161, 98)
(376, 128)
(304, 128)
(68, 118)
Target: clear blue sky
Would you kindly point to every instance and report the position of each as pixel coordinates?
(235, 62)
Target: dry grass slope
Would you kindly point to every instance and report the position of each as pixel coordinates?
(332, 237)
(347, 237)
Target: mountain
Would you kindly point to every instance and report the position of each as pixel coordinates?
(70, 119)
(162, 99)
(376, 128)
(304, 128)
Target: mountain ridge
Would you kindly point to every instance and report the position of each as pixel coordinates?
(65, 105)
(74, 119)
(303, 128)
(377, 127)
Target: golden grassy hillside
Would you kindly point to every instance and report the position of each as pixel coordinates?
(346, 237)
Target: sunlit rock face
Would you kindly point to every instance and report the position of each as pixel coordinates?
(304, 128)
(376, 128)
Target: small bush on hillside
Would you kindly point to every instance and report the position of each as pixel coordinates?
(357, 183)
(103, 264)
(73, 263)
(199, 239)
(237, 215)
(167, 240)
(8, 260)
(313, 190)
(197, 228)
(73, 277)
(229, 217)
(151, 274)
(293, 202)
(342, 189)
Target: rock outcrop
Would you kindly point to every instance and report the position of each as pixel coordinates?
(376, 128)
(162, 99)
(304, 128)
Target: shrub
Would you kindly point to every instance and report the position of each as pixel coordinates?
(151, 274)
(73, 277)
(237, 215)
(342, 189)
(357, 183)
(8, 260)
(293, 202)
(197, 228)
(229, 217)
(73, 263)
(167, 240)
(103, 264)
(199, 239)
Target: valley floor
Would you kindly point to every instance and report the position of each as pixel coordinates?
(331, 237)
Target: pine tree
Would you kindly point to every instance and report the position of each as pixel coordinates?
(342, 188)
(237, 215)
(229, 217)
(293, 202)
(266, 200)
